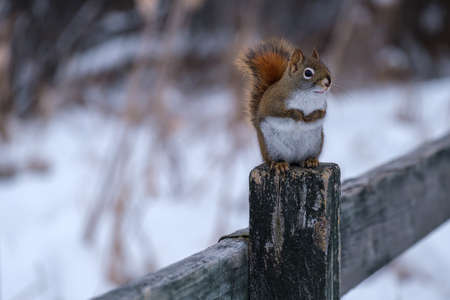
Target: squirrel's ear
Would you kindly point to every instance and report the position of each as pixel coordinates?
(315, 54)
(296, 57)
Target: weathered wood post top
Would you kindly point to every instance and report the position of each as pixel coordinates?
(294, 243)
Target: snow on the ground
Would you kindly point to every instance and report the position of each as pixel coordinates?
(42, 217)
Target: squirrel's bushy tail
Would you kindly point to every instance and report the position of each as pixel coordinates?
(263, 65)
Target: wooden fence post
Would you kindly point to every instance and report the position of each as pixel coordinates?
(294, 244)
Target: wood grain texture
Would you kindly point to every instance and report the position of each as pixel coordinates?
(294, 235)
(389, 209)
(383, 213)
(215, 273)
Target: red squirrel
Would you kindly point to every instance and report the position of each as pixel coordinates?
(286, 102)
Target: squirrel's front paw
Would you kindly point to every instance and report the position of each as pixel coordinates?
(315, 115)
(280, 167)
(312, 162)
(296, 114)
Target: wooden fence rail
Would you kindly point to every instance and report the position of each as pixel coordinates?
(383, 213)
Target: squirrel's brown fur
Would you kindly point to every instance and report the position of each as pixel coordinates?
(275, 72)
(264, 65)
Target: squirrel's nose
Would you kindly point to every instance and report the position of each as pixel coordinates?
(326, 81)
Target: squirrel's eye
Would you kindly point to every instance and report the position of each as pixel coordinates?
(308, 73)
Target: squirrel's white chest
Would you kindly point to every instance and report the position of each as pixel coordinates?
(291, 141)
(294, 141)
(307, 101)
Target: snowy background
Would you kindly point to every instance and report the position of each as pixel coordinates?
(44, 213)
(124, 147)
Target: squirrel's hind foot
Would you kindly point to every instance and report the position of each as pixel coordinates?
(280, 167)
(311, 163)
